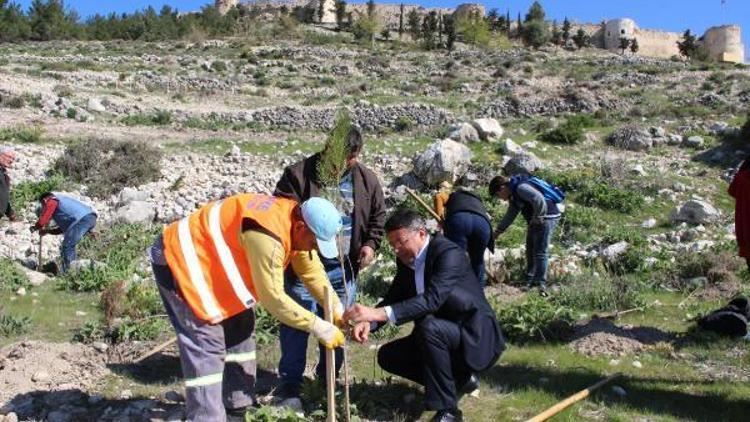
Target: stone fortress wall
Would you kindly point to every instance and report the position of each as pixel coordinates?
(723, 43)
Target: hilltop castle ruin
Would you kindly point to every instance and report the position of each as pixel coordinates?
(723, 43)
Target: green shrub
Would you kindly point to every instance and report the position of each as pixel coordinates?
(90, 332)
(24, 193)
(159, 118)
(219, 66)
(568, 133)
(106, 166)
(119, 248)
(603, 195)
(600, 294)
(533, 319)
(266, 326)
(12, 276)
(404, 123)
(138, 330)
(12, 101)
(26, 135)
(579, 223)
(71, 113)
(11, 325)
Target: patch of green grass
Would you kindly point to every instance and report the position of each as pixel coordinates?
(24, 135)
(26, 192)
(533, 319)
(603, 293)
(12, 325)
(12, 276)
(159, 118)
(120, 248)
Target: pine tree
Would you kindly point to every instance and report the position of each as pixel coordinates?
(624, 44)
(535, 13)
(401, 21)
(565, 31)
(449, 25)
(370, 8)
(340, 11)
(581, 38)
(321, 9)
(634, 47)
(413, 24)
(556, 34)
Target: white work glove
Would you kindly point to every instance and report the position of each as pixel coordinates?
(328, 334)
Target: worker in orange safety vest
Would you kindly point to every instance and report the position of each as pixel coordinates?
(213, 266)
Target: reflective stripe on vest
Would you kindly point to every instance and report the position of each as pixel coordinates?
(196, 272)
(226, 258)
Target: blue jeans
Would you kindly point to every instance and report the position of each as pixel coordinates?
(472, 233)
(538, 238)
(72, 237)
(294, 342)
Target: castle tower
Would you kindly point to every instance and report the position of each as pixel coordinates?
(329, 11)
(724, 43)
(223, 6)
(618, 28)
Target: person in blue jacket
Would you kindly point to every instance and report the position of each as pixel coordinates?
(73, 219)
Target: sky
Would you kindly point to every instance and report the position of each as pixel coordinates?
(670, 15)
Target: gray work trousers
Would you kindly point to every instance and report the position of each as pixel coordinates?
(218, 360)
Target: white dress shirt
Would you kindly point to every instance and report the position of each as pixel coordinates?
(418, 267)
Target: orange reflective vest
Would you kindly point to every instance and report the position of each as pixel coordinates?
(206, 257)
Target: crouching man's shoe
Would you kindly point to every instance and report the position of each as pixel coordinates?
(470, 386)
(448, 415)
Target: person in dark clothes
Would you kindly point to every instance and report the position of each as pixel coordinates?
(468, 224)
(541, 215)
(7, 156)
(739, 189)
(456, 334)
(362, 207)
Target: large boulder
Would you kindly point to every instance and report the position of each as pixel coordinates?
(488, 128)
(445, 160)
(524, 162)
(631, 138)
(128, 195)
(95, 106)
(694, 212)
(136, 212)
(463, 132)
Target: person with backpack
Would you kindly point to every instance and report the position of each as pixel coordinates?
(538, 202)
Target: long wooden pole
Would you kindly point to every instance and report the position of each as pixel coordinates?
(330, 361)
(559, 407)
(424, 205)
(156, 350)
(39, 257)
(345, 358)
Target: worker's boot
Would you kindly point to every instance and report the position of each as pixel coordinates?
(448, 415)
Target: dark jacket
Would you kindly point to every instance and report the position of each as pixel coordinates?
(299, 182)
(5, 208)
(451, 292)
(465, 201)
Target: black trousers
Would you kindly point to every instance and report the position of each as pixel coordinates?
(429, 356)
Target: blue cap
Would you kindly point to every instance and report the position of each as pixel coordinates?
(324, 220)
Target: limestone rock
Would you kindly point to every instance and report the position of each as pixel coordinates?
(525, 162)
(631, 138)
(488, 128)
(95, 105)
(694, 212)
(509, 147)
(443, 160)
(136, 212)
(128, 195)
(35, 278)
(611, 252)
(463, 132)
(694, 142)
(84, 264)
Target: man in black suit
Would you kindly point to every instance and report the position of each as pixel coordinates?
(455, 331)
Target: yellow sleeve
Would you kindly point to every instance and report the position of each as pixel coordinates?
(310, 271)
(266, 258)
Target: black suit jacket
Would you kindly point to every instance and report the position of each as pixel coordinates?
(451, 292)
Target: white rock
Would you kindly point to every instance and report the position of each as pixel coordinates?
(488, 128)
(40, 376)
(126, 394)
(611, 252)
(509, 147)
(649, 224)
(694, 142)
(443, 160)
(637, 364)
(463, 132)
(100, 346)
(81, 313)
(136, 212)
(95, 105)
(695, 212)
(128, 195)
(35, 278)
(21, 291)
